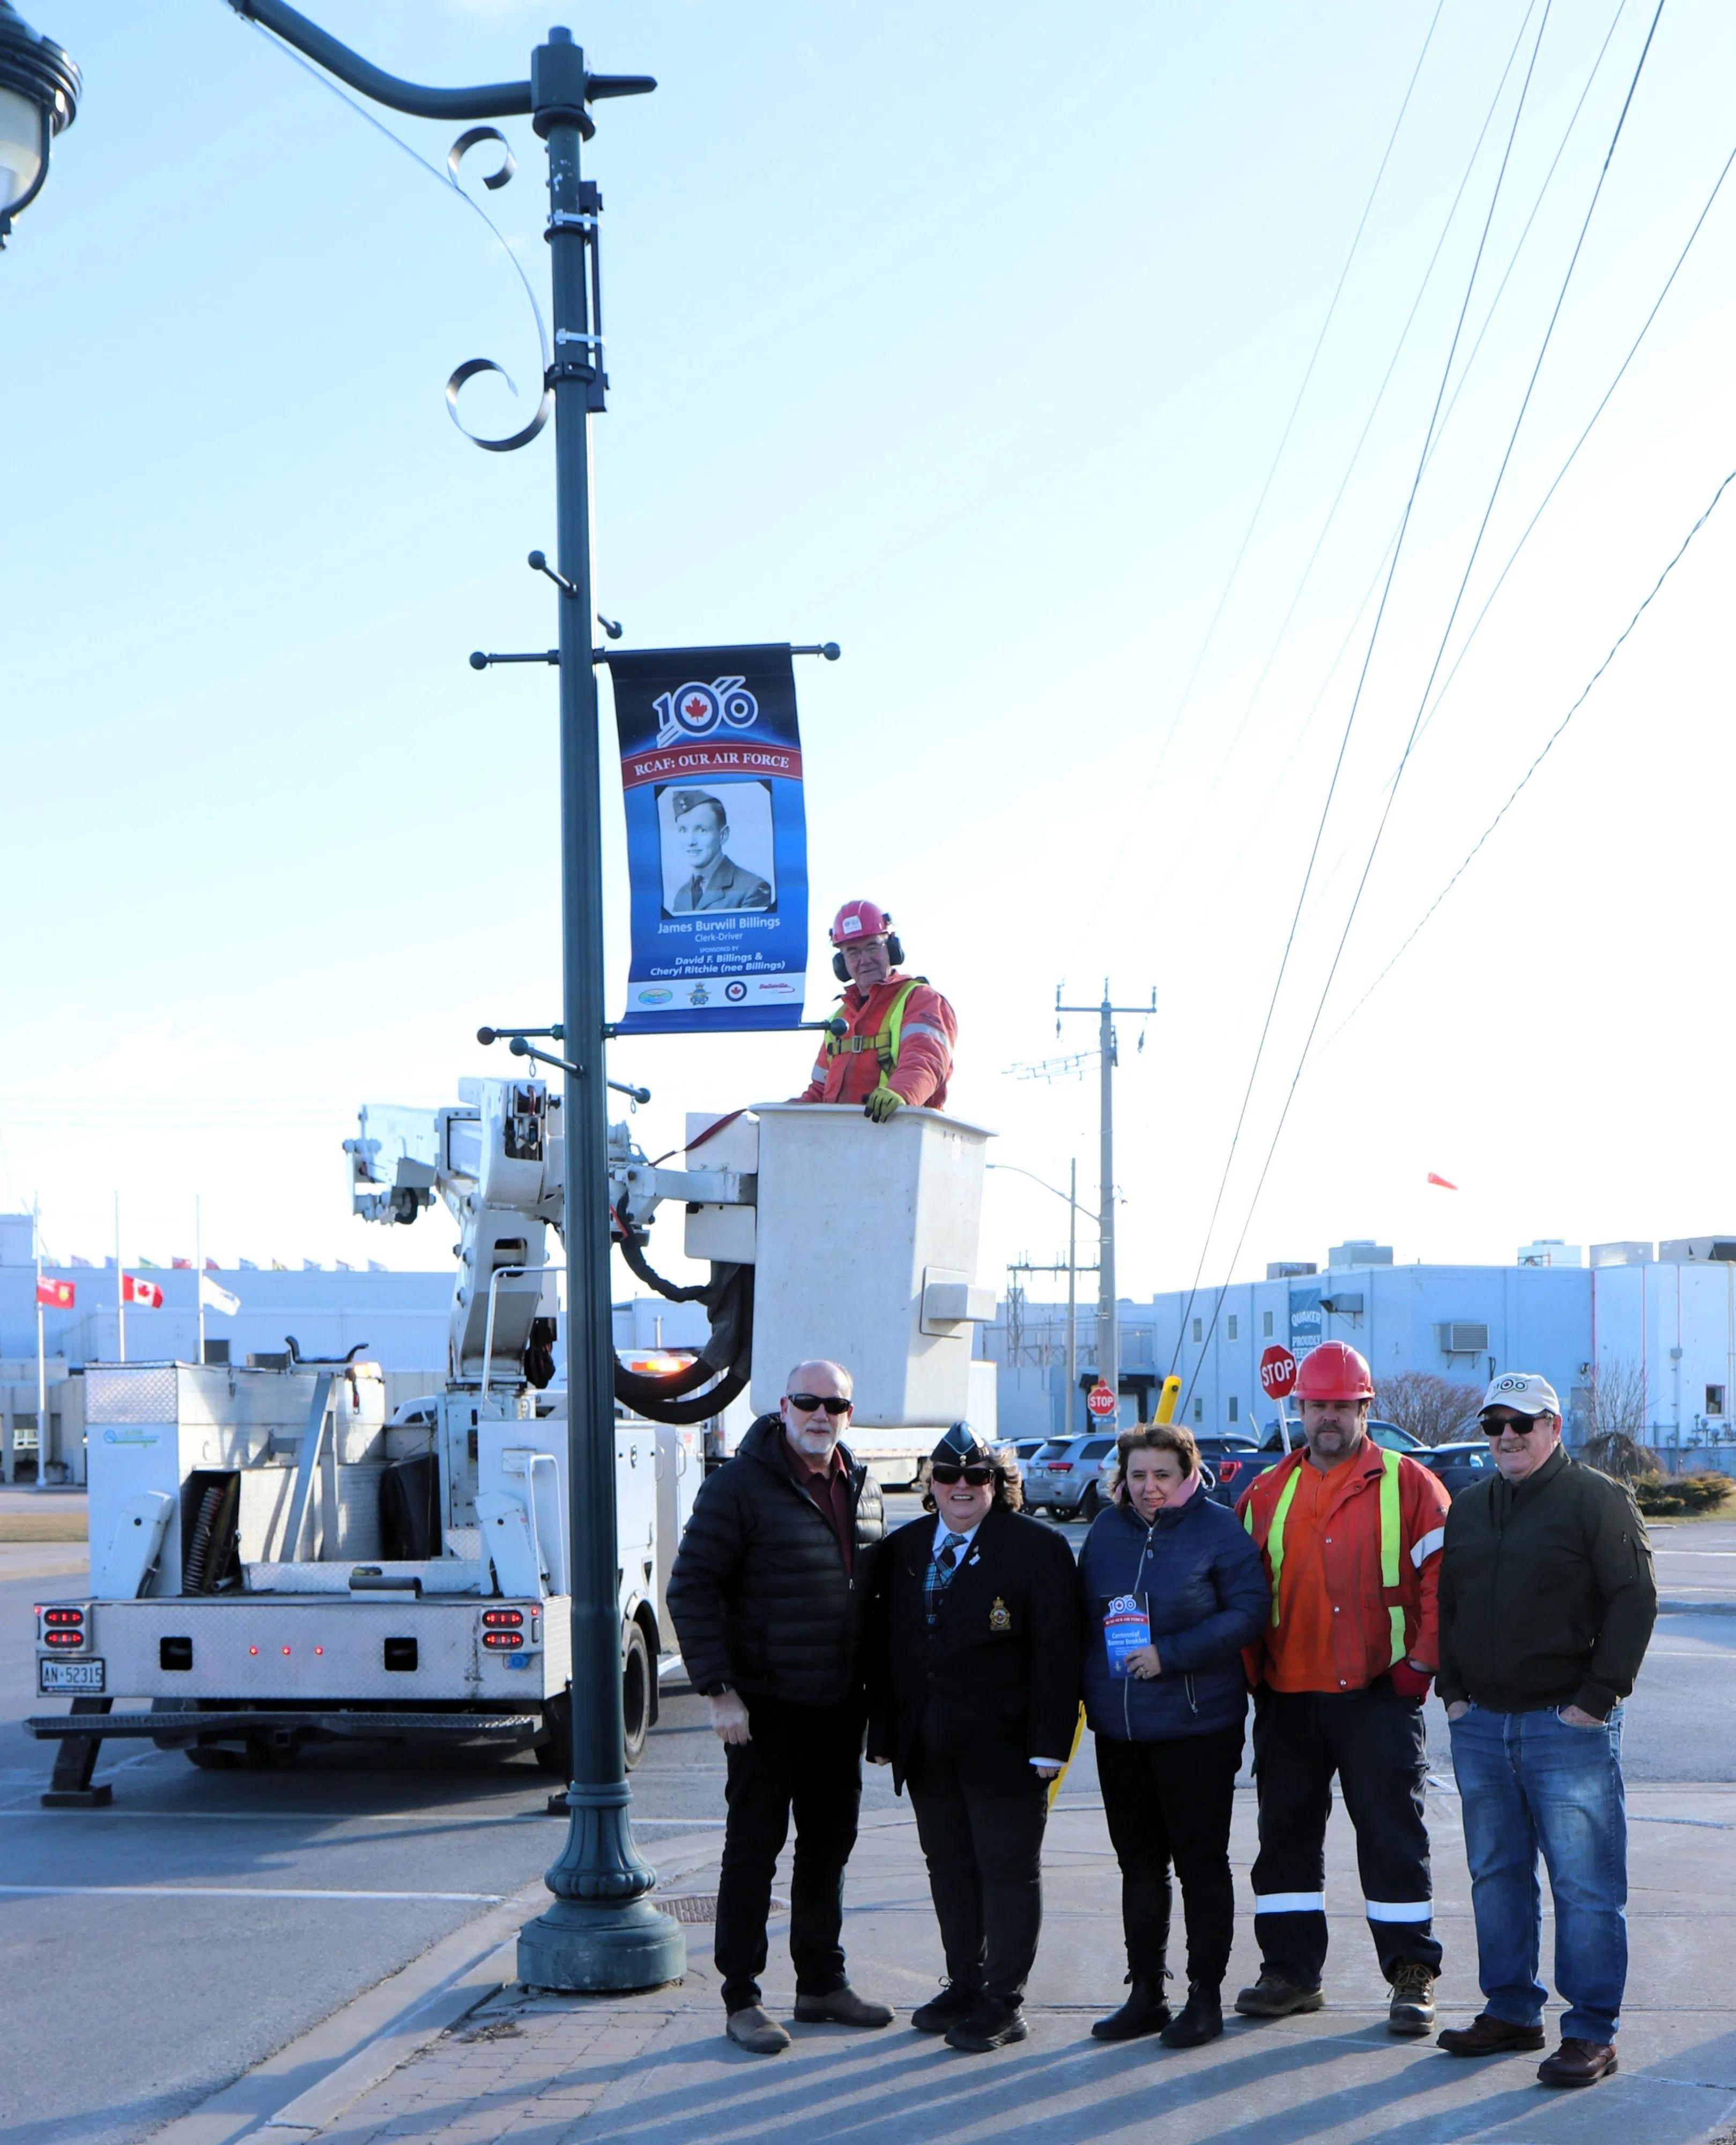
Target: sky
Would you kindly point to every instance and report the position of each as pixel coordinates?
(1026, 353)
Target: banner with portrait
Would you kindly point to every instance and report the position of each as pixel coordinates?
(717, 837)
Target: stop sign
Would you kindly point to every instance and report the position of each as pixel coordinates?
(1277, 1373)
(1101, 1401)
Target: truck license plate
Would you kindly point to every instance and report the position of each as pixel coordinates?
(69, 1675)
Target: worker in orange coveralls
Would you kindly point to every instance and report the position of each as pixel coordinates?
(896, 1046)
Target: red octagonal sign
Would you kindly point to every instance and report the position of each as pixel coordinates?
(1101, 1401)
(1277, 1373)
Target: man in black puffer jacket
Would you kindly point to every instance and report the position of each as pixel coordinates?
(767, 1595)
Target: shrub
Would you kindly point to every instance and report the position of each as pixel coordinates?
(1681, 1496)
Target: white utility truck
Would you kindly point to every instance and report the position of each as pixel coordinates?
(273, 1561)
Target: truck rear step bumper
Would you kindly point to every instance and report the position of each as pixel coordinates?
(351, 1721)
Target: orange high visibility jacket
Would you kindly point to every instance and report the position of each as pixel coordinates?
(902, 1031)
(1354, 1564)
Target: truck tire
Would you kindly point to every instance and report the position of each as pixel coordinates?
(212, 1758)
(555, 1755)
(636, 1689)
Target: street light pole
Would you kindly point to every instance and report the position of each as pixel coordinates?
(601, 1933)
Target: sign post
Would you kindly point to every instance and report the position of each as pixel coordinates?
(1277, 1380)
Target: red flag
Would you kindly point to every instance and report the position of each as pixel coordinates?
(185, 1266)
(57, 1295)
(135, 1291)
(1442, 1181)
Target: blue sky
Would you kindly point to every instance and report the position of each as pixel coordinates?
(966, 336)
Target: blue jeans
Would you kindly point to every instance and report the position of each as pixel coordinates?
(1531, 1780)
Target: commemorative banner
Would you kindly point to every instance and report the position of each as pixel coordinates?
(717, 838)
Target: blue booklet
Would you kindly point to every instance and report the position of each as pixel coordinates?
(1126, 1629)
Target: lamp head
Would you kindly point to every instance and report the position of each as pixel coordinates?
(39, 92)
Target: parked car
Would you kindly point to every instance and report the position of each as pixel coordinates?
(1063, 1477)
(1459, 1466)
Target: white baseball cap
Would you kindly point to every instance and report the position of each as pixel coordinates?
(1524, 1391)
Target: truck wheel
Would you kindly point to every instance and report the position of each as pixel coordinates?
(212, 1758)
(635, 1696)
(555, 1756)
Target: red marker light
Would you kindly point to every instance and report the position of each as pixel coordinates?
(319, 1649)
(252, 1649)
(285, 1649)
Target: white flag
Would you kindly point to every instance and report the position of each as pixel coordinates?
(215, 1298)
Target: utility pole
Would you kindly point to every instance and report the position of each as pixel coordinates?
(1108, 1333)
(1072, 1294)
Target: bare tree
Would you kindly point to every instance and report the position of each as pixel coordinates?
(1613, 1414)
(1433, 1408)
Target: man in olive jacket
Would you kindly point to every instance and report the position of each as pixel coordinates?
(766, 1596)
(1547, 1601)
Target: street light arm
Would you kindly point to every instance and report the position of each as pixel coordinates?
(1047, 1186)
(484, 101)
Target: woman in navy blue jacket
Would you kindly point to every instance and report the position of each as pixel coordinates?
(1173, 1589)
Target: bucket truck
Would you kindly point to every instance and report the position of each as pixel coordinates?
(273, 1561)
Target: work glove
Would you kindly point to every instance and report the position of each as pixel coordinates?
(881, 1105)
(1410, 1682)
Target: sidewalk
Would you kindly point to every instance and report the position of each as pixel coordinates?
(539, 2070)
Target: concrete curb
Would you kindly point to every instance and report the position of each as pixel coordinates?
(277, 2102)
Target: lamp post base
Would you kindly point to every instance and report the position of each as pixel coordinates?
(607, 1948)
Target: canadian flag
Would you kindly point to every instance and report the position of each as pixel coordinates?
(56, 1295)
(135, 1291)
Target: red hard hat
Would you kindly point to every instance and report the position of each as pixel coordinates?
(1334, 1372)
(857, 920)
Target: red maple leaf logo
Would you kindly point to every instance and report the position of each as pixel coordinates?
(696, 708)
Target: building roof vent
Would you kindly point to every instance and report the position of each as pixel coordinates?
(1359, 1252)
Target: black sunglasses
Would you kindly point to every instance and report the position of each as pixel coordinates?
(944, 1472)
(812, 1403)
(1522, 1424)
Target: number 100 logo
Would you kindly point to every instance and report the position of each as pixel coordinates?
(696, 709)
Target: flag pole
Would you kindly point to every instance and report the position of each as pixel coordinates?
(120, 1284)
(199, 1275)
(42, 1364)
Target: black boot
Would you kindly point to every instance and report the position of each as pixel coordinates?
(1144, 2011)
(1201, 2020)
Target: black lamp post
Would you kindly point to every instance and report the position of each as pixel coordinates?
(39, 92)
(601, 1933)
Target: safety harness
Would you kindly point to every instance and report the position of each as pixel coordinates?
(885, 1044)
(1390, 1546)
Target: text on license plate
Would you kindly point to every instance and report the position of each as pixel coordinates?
(69, 1676)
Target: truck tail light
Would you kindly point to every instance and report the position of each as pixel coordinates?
(63, 1639)
(62, 1619)
(503, 1620)
(504, 1642)
(1228, 1470)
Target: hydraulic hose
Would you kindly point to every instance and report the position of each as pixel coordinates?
(651, 1397)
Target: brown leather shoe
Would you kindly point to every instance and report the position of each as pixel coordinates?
(1489, 2036)
(1577, 2062)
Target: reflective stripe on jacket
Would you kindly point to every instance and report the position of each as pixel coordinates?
(900, 1033)
(1381, 1563)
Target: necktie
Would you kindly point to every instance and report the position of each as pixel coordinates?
(696, 887)
(940, 1566)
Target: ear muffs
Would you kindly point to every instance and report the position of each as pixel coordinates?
(894, 953)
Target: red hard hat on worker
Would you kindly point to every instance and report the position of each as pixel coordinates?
(1334, 1371)
(857, 920)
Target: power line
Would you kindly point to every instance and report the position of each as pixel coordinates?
(1381, 829)
(1284, 442)
(1355, 703)
(1549, 746)
(1182, 851)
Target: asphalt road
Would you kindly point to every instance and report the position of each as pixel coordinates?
(207, 1918)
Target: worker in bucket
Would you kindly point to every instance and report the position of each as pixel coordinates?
(1351, 1538)
(897, 1044)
